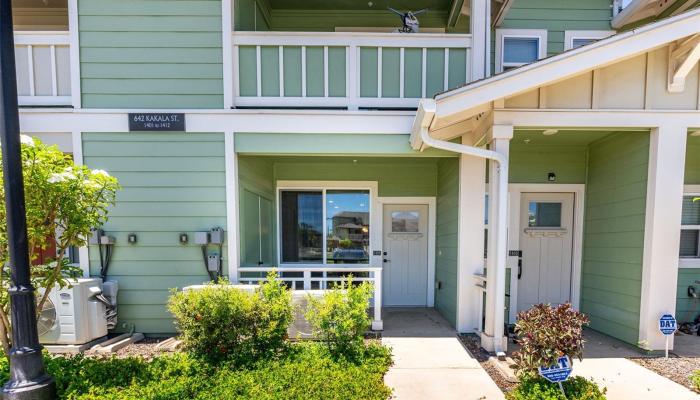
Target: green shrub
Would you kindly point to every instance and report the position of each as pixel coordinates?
(219, 322)
(547, 333)
(695, 379)
(340, 319)
(305, 372)
(576, 388)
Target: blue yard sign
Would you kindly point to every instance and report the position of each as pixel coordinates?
(667, 324)
(559, 372)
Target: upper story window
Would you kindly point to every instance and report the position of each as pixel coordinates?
(574, 39)
(516, 47)
(690, 227)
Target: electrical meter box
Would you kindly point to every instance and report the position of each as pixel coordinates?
(201, 237)
(216, 236)
(213, 263)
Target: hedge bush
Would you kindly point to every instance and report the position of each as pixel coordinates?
(695, 379)
(535, 388)
(339, 318)
(221, 323)
(305, 372)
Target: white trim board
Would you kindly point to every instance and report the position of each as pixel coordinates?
(74, 50)
(232, 204)
(432, 226)
(515, 191)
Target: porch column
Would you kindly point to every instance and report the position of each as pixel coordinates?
(662, 231)
(470, 230)
(493, 338)
(232, 226)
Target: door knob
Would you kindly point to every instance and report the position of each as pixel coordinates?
(386, 260)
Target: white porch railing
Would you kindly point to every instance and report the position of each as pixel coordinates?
(309, 278)
(346, 69)
(43, 68)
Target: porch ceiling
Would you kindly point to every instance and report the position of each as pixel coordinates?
(561, 138)
(381, 5)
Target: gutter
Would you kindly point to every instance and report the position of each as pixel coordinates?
(420, 140)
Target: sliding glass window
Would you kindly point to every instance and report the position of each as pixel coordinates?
(347, 227)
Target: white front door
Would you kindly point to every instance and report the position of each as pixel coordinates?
(546, 240)
(405, 243)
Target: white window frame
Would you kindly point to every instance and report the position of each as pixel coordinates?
(502, 34)
(690, 190)
(324, 186)
(569, 36)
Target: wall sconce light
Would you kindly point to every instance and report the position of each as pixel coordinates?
(131, 238)
(183, 238)
(552, 177)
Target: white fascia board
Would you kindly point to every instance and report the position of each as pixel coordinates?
(423, 119)
(592, 119)
(282, 121)
(633, 12)
(562, 66)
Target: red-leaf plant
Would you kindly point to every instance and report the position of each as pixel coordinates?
(546, 333)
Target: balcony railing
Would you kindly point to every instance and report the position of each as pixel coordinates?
(43, 68)
(346, 70)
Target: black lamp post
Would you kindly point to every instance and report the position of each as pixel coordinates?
(28, 380)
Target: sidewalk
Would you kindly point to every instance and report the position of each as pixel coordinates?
(605, 361)
(429, 360)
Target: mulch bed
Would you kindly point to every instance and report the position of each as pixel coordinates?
(473, 345)
(677, 369)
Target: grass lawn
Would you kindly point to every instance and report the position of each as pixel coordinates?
(306, 371)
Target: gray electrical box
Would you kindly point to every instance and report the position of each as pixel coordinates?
(95, 236)
(216, 236)
(201, 237)
(104, 239)
(213, 263)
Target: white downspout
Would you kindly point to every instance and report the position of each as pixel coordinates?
(427, 109)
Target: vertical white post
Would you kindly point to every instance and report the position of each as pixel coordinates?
(77, 147)
(74, 53)
(493, 337)
(353, 84)
(662, 231)
(480, 29)
(232, 241)
(470, 231)
(307, 280)
(227, 50)
(377, 323)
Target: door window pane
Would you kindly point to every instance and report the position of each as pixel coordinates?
(544, 215)
(347, 221)
(689, 243)
(302, 226)
(691, 211)
(520, 50)
(404, 221)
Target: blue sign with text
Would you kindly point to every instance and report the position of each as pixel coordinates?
(667, 324)
(558, 372)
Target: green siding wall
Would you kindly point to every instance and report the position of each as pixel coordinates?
(692, 161)
(151, 54)
(396, 177)
(614, 234)
(446, 238)
(687, 308)
(171, 183)
(556, 17)
(533, 163)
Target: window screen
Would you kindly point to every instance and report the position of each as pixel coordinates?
(517, 50)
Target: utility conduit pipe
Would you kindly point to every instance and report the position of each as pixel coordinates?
(427, 112)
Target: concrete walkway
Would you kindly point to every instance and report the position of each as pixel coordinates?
(429, 360)
(605, 361)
